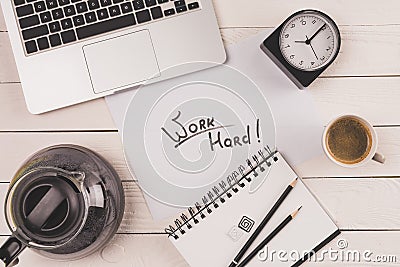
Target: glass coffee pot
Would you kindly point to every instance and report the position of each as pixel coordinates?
(65, 203)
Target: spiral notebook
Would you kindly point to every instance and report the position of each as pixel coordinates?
(212, 233)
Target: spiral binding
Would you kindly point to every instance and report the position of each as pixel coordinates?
(217, 194)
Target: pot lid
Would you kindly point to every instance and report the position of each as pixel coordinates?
(47, 207)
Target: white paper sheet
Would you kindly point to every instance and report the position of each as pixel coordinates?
(298, 128)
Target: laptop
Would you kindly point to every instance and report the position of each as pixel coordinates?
(71, 51)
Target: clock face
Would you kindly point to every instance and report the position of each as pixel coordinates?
(309, 41)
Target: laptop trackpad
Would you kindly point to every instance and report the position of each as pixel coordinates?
(121, 61)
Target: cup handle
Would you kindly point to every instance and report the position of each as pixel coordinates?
(378, 157)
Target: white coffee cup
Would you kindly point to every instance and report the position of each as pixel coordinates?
(372, 154)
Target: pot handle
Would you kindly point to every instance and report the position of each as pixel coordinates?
(10, 250)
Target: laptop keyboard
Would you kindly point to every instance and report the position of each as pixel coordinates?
(47, 24)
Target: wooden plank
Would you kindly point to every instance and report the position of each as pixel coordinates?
(353, 203)
(2, 22)
(157, 250)
(269, 13)
(122, 250)
(359, 203)
(16, 147)
(376, 99)
(93, 115)
(8, 68)
(379, 57)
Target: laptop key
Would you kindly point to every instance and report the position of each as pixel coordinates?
(143, 16)
(69, 11)
(45, 17)
(156, 12)
(55, 40)
(75, 1)
(117, 1)
(126, 7)
(81, 7)
(31, 47)
(66, 24)
(163, 1)
(57, 13)
(68, 36)
(19, 2)
(78, 20)
(51, 4)
(24, 10)
(63, 2)
(181, 9)
(105, 26)
(102, 14)
(93, 4)
(90, 17)
(179, 3)
(114, 11)
(169, 12)
(35, 32)
(29, 21)
(55, 26)
(138, 4)
(43, 43)
(150, 3)
(105, 3)
(39, 6)
(193, 5)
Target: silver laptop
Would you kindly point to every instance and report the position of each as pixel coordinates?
(71, 51)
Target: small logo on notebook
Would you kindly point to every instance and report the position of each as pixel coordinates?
(235, 234)
(246, 224)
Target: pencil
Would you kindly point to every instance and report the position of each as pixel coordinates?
(263, 223)
(269, 238)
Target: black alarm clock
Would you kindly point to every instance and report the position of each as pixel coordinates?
(304, 45)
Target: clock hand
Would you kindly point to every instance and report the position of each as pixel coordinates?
(308, 41)
(313, 51)
(300, 42)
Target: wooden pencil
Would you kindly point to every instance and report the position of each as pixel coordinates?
(263, 223)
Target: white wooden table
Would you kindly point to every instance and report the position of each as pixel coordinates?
(365, 79)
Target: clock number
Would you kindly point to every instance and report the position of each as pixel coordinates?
(301, 63)
(324, 27)
(322, 58)
(291, 57)
(312, 62)
(303, 22)
(329, 48)
(293, 25)
(287, 35)
(287, 46)
(314, 21)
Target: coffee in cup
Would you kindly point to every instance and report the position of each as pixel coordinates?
(351, 141)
